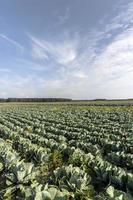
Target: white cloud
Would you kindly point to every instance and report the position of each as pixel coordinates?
(21, 86)
(38, 52)
(88, 69)
(97, 71)
(116, 59)
(80, 75)
(63, 52)
(13, 42)
(62, 19)
(123, 20)
(28, 64)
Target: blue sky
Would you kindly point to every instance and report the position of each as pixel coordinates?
(80, 49)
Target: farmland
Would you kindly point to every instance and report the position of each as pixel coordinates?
(66, 151)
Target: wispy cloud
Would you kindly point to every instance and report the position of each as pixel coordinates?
(98, 65)
(62, 19)
(13, 42)
(122, 20)
(29, 65)
(116, 59)
(104, 68)
(62, 52)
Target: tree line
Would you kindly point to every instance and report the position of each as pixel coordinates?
(34, 100)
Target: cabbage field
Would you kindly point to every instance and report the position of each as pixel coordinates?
(65, 152)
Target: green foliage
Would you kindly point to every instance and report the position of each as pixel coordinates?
(66, 152)
(74, 180)
(114, 194)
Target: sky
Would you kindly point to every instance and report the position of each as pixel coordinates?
(79, 49)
